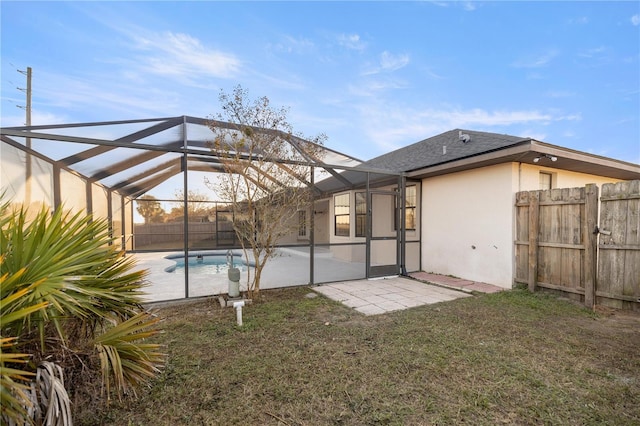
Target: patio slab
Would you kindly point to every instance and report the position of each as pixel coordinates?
(379, 296)
(456, 283)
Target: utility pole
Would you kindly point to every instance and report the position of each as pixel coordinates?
(28, 92)
(27, 108)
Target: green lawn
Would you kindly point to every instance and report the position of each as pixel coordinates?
(506, 358)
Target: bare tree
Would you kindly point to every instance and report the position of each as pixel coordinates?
(267, 171)
(197, 205)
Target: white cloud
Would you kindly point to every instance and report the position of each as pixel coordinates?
(37, 118)
(533, 134)
(635, 20)
(389, 63)
(372, 87)
(590, 53)
(469, 6)
(351, 41)
(624, 120)
(559, 94)
(169, 54)
(536, 61)
(431, 73)
(581, 20)
(391, 127)
(103, 95)
(293, 45)
(285, 80)
(570, 117)
(534, 76)
(477, 116)
(178, 54)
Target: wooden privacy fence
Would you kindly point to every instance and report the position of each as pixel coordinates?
(171, 234)
(557, 247)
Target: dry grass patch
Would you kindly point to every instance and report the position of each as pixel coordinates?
(506, 358)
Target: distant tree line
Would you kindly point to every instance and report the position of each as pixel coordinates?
(199, 208)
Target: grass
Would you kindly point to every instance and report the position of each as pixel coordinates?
(506, 358)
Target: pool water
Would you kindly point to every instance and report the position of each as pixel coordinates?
(209, 265)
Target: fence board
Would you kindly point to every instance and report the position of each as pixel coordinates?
(564, 266)
(534, 211)
(590, 241)
(522, 237)
(632, 255)
(172, 233)
(619, 249)
(557, 250)
(557, 243)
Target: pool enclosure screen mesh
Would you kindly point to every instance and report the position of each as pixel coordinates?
(111, 169)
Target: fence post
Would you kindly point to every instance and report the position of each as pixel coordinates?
(590, 244)
(534, 212)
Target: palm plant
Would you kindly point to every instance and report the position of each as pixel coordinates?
(69, 300)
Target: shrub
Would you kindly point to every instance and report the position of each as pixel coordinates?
(70, 314)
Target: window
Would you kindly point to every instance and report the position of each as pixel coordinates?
(545, 180)
(410, 201)
(302, 223)
(341, 215)
(361, 214)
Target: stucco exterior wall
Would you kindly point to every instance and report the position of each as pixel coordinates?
(466, 224)
(468, 218)
(292, 236)
(528, 177)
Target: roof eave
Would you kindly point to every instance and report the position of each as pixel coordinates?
(567, 159)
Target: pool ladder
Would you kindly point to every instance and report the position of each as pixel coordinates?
(230, 258)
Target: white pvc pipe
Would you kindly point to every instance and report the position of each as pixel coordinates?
(238, 306)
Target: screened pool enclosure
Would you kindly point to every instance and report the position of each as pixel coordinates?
(140, 175)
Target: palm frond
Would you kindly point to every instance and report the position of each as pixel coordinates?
(125, 359)
(80, 274)
(14, 402)
(52, 395)
(65, 287)
(14, 398)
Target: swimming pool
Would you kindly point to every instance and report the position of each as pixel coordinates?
(206, 264)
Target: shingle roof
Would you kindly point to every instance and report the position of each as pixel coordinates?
(449, 153)
(443, 148)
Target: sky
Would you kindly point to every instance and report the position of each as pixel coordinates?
(371, 76)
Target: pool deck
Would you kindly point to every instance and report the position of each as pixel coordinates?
(343, 282)
(288, 268)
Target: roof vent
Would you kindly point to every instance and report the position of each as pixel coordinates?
(464, 137)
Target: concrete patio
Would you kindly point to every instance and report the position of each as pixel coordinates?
(456, 283)
(378, 296)
(372, 297)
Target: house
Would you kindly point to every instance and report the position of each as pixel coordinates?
(443, 205)
(459, 201)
